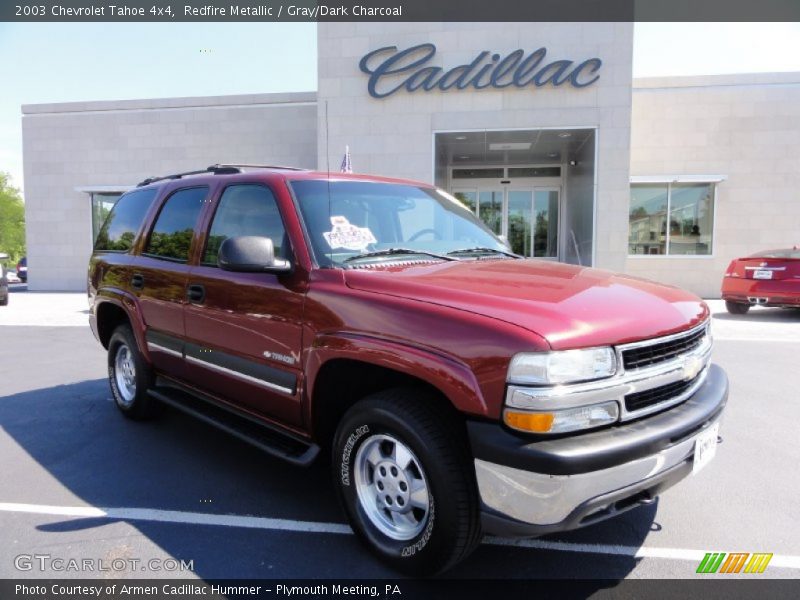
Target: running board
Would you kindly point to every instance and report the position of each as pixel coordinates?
(262, 435)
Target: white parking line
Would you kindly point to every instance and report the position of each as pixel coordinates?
(173, 516)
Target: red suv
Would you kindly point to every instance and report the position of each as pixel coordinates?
(458, 388)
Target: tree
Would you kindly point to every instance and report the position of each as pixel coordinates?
(12, 220)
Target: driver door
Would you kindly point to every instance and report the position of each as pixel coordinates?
(243, 330)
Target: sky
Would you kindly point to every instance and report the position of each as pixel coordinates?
(51, 62)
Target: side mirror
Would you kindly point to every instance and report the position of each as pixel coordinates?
(251, 254)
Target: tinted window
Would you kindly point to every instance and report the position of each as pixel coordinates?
(174, 228)
(124, 220)
(245, 210)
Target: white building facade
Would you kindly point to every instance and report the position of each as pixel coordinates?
(538, 127)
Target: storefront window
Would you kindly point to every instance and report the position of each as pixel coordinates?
(691, 218)
(671, 219)
(102, 203)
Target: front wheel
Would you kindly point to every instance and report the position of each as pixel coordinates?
(406, 481)
(129, 376)
(736, 308)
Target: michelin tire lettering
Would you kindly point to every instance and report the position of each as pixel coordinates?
(417, 546)
(348, 450)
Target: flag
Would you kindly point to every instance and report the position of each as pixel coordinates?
(347, 166)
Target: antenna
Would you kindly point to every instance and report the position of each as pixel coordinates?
(328, 179)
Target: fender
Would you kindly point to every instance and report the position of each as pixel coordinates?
(452, 377)
(130, 304)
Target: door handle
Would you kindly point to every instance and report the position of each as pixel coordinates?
(137, 281)
(196, 293)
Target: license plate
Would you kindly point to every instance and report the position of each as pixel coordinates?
(705, 447)
(762, 274)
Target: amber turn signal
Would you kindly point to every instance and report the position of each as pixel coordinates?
(526, 421)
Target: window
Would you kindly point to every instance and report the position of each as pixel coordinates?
(490, 173)
(123, 221)
(172, 234)
(102, 203)
(245, 210)
(675, 219)
(534, 171)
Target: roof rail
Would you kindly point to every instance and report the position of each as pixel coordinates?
(248, 166)
(218, 169)
(215, 169)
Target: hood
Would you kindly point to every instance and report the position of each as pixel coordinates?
(570, 306)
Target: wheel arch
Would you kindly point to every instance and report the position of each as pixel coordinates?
(343, 370)
(112, 310)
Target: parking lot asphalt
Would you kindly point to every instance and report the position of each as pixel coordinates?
(79, 481)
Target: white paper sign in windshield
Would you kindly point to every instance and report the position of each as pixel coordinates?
(348, 236)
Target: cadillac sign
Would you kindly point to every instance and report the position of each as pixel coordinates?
(391, 71)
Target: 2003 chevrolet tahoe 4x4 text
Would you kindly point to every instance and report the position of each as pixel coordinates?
(458, 388)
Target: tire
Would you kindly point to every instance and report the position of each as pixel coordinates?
(736, 308)
(129, 376)
(4, 301)
(403, 447)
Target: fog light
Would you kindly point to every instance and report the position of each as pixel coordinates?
(563, 421)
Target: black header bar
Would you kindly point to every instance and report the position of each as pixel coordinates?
(397, 10)
(396, 589)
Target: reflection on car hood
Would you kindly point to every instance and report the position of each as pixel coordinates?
(569, 306)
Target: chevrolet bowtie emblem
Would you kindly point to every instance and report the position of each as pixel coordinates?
(691, 367)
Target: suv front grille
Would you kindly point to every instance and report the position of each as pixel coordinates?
(645, 356)
(640, 400)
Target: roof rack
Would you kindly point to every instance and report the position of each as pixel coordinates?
(249, 166)
(218, 169)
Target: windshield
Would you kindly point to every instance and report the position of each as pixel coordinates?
(370, 217)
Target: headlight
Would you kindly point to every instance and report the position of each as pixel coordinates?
(566, 366)
(562, 421)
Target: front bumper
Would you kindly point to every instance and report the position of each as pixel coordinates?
(533, 488)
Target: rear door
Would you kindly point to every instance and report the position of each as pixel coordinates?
(243, 330)
(160, 275)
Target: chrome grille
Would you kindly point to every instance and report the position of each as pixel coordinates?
(646, 354)
(651, 397)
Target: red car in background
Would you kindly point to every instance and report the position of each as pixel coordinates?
(769, 278)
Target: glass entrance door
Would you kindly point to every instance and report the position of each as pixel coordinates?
(527, 217)
(491, 208)
(487, 204)
(546, 217)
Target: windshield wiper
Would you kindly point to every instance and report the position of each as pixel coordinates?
(482, 250)
(397, 251)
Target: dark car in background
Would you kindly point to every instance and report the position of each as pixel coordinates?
(768, 278)
(22, 269)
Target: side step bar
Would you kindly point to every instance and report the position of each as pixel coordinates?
(262, 435)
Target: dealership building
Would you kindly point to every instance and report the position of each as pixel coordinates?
(538, 127)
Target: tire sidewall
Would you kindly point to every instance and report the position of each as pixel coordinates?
(421, 553)
(124, 336)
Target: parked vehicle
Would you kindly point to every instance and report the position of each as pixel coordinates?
(22, 269)
(458, 388)
(769, 278)
(11, 277)
(3, 281)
